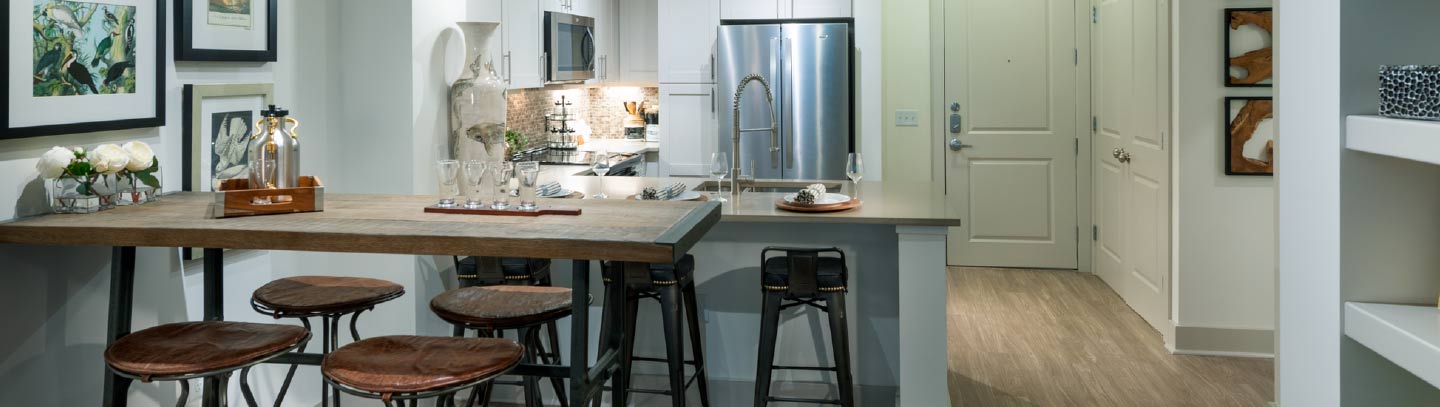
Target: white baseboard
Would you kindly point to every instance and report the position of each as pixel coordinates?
(1232, 342)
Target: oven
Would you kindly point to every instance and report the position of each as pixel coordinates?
(569, 48)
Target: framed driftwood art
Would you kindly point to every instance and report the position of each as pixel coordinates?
(1249, 136)
(1249, 47)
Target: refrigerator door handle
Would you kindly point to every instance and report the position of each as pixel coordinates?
(776, 77)
(790, 98)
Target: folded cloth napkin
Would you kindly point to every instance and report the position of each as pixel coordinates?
(672, 191)
(549, 188)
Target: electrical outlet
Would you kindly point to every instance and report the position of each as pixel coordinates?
(907, 118)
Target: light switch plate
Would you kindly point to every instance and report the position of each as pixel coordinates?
(907, 118)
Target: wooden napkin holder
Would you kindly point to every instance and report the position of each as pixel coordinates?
(235, 198)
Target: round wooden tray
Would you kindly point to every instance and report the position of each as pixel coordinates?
(702, 198)
(835, 207)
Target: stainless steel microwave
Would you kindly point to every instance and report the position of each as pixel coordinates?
(569, 47)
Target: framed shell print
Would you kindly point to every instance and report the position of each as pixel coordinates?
(1249, 47)
(83, 66)
(225, 30)
(1249, 136)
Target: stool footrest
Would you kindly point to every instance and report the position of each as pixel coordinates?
(657, 360)
(800, 400)
(820, 368)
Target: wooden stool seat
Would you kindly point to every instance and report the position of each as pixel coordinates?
(502, 306)
(324, 294)
(416, 364)
(189, 348)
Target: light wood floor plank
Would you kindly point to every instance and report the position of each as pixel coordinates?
(1061, 338)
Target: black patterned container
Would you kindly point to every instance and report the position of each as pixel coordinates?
(1410, 91)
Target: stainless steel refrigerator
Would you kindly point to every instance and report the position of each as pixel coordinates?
(808, 65)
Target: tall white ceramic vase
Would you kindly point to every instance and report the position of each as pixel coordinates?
(477, 99)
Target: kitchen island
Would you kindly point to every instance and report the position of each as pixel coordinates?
(895, 243)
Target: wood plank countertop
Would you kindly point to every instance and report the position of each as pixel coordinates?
(656, 232)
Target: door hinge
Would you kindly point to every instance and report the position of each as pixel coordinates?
(1094, 15)
(1077, 57)
(1094, 233)
(1077, 147)
(1094, 124)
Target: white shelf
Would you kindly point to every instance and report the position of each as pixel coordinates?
(1408, 335)
(1416, 140)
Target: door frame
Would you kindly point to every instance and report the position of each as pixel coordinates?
(1083, 162)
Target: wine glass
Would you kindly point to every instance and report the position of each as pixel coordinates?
(719, 168)
(449, 185)
(855, 170)
(600, 164)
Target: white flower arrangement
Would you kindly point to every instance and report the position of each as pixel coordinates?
(134, 160)
(108, 159)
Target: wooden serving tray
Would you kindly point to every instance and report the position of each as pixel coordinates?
(235, 198)
(836, 207)
(511, 211)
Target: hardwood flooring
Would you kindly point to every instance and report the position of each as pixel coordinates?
(1060, 338)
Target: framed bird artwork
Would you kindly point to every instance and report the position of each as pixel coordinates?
(93, 66)
(225, 30)
(218, 121)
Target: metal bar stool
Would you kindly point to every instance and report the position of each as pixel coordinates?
(410, 368)
(491, 271)
(190, 350)
(493, 309)
(673, 286)
(329, 298)
(804, 277)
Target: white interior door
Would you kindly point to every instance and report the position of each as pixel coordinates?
(1132, 154)
(1010, 84)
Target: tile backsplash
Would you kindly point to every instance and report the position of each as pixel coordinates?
(601, 109)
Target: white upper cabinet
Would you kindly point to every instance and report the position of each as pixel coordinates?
(523, 60)
(638, 61)
(751, 9)
(773, 9)
(516, 47)
(687, 128)
(687, 48)
(819, 8)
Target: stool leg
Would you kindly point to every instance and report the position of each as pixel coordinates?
(532, 384)
(769, 330)
(354, 331)
(334, 345)
(219, 397)
(692, 316)
(674, 342)
(290, 374)
(553, 353)
(621, 391)
(245, 387)
(184, 393)
(840, 342)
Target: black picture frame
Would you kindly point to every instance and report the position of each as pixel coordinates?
(161, 68)
(185, 31)
(1226, 136)
(1225, 77)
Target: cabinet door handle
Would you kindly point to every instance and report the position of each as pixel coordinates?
(506, 66)
(543, 57)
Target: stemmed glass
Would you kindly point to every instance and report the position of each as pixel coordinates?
(500, 173)
(719, 168)
(529, 174)
(474, 177)
(600, 164)
(449, 185)
(855, 169)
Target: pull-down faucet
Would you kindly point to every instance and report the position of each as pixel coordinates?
(735, 137)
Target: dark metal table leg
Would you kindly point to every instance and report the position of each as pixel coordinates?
(122, 299)
(619, 296)
(214, 300)
(579, 332)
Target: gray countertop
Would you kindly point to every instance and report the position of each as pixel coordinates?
(892, 202)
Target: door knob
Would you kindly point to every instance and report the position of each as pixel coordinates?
(1124, 156)
(1115, 153)
(957, 145)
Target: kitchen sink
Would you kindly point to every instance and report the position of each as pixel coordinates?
(774, 186)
